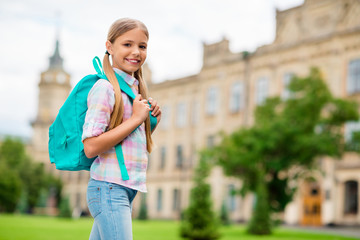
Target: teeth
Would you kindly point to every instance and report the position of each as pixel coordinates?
(133, 61)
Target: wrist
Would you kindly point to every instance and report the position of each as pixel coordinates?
(136, 120)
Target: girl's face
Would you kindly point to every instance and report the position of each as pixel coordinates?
(128, 51)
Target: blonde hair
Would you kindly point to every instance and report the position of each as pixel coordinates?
(118, 28)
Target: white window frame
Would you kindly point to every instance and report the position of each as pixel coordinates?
(287, 78)
(353, 79)
(350, 127)
(262, 90)
(212, 100)
(236, 97)
(181, 114)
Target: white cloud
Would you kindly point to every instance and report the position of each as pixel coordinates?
(177, 31)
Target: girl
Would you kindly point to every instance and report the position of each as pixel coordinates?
(112, 119)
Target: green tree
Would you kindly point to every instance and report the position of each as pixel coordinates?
(143, 209)
(64, 208)
(285, 134)
(260, 222)
(224, 214)
(199, 221)
(22, 179)
(10, 188)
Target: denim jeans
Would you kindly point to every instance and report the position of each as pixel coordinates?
(110, 205)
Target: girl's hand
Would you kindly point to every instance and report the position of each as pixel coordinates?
(140, 109)
(155, 108)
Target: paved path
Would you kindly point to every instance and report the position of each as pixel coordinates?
(337, 230)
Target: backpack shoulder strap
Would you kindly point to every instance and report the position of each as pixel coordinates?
(98, 66)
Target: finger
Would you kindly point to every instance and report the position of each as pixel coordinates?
(155, 112)
(137, 98)
(150, 99)
(158, 117)
(153, 104)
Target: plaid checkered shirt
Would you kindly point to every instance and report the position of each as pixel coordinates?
(100, 101)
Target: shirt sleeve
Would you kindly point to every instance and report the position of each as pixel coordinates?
(100, 102)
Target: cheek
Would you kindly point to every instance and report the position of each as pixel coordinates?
(143, 56)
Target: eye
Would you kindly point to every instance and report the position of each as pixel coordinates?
(143, 47)
(127, 44)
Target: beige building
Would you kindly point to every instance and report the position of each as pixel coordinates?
(222, 97)
(224, 94)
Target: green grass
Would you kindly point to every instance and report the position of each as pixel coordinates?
(20, 227)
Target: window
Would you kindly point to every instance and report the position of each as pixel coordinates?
(179, 156)
(195, 113)
(236, 97)
(210, 141)
(176, 200)
(231, 198)
(181, 115)
(286, 81)
(212, 101)
(165, 118)
(162, 157)
(159, 200)
(350, 128)
(353, 81)
(351, 197)
(262, 90)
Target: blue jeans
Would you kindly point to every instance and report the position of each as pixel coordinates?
(110, 205)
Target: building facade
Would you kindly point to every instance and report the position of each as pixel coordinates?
(223, 97)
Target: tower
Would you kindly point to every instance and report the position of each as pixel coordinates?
(54, 87)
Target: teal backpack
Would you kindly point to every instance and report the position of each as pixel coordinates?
(66, 149)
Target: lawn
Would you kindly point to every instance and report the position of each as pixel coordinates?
(18, 227)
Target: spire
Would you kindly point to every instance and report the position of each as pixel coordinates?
(56, 61)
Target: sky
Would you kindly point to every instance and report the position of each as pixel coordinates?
(178, 29)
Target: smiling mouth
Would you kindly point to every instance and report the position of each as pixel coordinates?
(132, 61)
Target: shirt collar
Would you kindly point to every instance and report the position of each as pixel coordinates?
(128, 78)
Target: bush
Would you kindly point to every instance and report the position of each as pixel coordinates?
(143, 210)
(260, 223)
(64, 208)
(224, 214)
(199, 221)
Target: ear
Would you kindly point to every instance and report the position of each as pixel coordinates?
(108, 45)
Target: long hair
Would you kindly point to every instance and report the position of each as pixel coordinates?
(118, 28)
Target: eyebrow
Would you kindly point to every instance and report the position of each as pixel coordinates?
(133, 41)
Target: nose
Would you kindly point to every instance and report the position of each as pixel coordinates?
(136, 51)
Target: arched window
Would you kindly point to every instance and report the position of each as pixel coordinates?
(351, 197)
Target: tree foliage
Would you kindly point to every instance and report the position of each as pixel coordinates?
(199, 221)
(143, 215)
(285, 134)
(21, 179)
(224, 215)
(64, 208)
